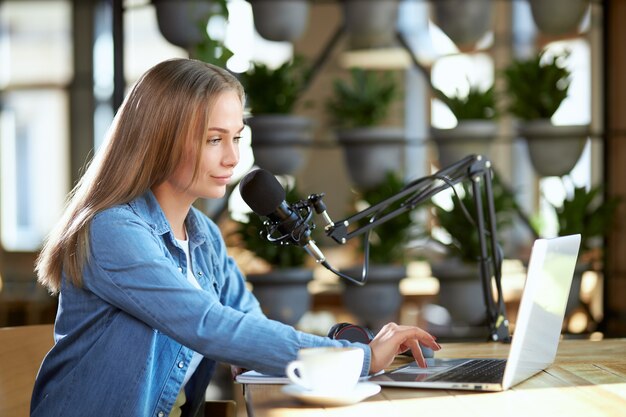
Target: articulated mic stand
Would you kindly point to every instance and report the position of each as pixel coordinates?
(475, 168)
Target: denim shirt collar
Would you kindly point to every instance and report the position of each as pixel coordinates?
(148, 208)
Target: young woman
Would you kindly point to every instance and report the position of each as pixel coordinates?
(149, 300)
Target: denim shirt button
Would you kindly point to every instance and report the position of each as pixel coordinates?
(200, 273)
(180, 269)
(161, 414)
(181, 364)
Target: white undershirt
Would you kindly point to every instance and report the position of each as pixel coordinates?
(196, 358)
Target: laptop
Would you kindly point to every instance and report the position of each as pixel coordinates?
(535, 340)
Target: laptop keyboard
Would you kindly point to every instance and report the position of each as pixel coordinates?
(475, 370)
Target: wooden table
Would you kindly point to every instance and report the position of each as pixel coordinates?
(587, 379)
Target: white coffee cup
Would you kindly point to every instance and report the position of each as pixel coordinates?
(327, 369)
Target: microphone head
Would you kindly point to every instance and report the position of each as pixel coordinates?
(262, 192)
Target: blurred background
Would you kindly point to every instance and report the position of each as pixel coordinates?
(356, 111)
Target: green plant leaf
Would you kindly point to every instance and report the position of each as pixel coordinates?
(585, 212)
(463, 233)
(387, 240)
(362, 101)
(211, 50)
(477, 104)
(276, 91)
(536, 87)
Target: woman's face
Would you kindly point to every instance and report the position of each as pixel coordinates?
(219, 152)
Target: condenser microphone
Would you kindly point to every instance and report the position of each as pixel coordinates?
(266, 197)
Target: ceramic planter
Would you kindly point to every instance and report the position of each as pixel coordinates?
(280, 20)
(465, 22)
(280, 143)
(460, 290)
(283, 293)
(553, 150)
(378, 301)
(181, 21)
(558, 17)
(370, 24)
(372, 152)
(460, 312)
(468, 137)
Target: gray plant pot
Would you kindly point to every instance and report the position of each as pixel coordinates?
(465, 22)
(558, 17)
(181, 21)
(280, 20)
(468, 137)
(460, 291)
(370, 24)
(553, 150)
(280, 143)
(283, 293)
(372, 152)
(378, 301)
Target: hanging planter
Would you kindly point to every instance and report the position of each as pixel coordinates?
(357, 108)
(280, 20)
(460, 291)
(465, 22)
(370, 153)
(283, 293)
(280, 139)
(370, 24)
(467, 138)
(558, 17)
(460, 311)
(281, 142)
(378, 301)
(476, 129)
(553, 150)
(182, 22)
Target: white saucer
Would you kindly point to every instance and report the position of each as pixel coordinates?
(360, 392)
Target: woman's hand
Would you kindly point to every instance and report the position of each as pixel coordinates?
(393, 339)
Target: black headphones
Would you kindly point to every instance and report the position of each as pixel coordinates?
(355, 333)
(351, 332)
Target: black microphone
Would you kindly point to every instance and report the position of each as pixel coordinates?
(266, 197)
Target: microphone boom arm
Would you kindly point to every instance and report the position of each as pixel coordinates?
(475, 168)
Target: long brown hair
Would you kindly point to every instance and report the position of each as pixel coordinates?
(167, 108)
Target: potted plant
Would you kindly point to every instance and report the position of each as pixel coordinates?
(280, 20)
(282, 288)
(465, 22)
(280, 138)
(184, 23)
(536, 88)
(370, 24)
(584, 211)
(357, 108)
(458, 272)
(558, 17)
(379, 300)
(476, 128)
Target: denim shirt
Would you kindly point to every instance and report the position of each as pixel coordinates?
(124, 339)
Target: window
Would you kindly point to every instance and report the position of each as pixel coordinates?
(33, 119)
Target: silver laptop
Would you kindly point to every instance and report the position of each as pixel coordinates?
(536, 336)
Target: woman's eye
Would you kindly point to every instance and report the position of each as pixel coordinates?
(213, 141)
(237, 139)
